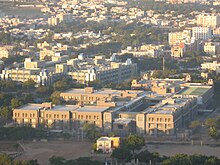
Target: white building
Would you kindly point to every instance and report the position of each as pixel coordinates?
(201, 33)
(210, 65)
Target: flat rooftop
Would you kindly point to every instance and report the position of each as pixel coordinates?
(82, 91)
(197, 90)
(54, 108)
(104, 91)
(92, 109)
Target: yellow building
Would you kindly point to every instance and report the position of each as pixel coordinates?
(36, 71)
(46, 52)
(208, 20)
(6, 51)
(58, 116)
(107, 144)
(212, 48)
(98, 97)
(176, 37)
(166, 117)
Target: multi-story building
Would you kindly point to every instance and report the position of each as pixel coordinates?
(176, 37)
(122, 112)
(167, 116)
(51, 116)
(145, 50)
(98, 97)
(210, 65)
(100, 69)
(35, 70)
(208, 20)
(6, 51)
(201, 33)
(212, 48)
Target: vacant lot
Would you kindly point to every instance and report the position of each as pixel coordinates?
(172, 149)
(42, 151)
(8, 147)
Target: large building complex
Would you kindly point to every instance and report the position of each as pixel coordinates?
(122, 112)
(105, 70)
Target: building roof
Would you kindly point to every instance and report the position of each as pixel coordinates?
(92, 109)
(122, 121)
(194, 90)
(54, 108)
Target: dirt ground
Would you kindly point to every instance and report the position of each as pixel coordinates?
(8, 146)
(172, 149)
(42, 151)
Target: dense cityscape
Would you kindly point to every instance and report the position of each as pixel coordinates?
(115, 82)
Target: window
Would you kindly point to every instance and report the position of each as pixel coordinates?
(120, 126)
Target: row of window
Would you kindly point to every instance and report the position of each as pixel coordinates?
(88, 117)
(24, 115)
(159, 119)
(56, 116)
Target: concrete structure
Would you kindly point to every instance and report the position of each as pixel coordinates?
(176, 37)
(203, 93)
(121, 112)
(215, 65)
(144, 50)
(6, 51)
(201, 33)
(84, 70)
(165, 117)
(35, 70)
(208, 20)
(212, 48)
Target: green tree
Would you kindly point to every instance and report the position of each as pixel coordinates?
(62, 84)
(179, 159)
(210, 122)
(146, 156)
(55, 97)
(57, 160)
(15, 103)
(135, 142)
(212, 161)
(213, 132)
(29, 84)
(122, 153)
(92, 131)
(195, 124)
(43, 91)
(6, 112)
(5, 160)
(32, 162)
